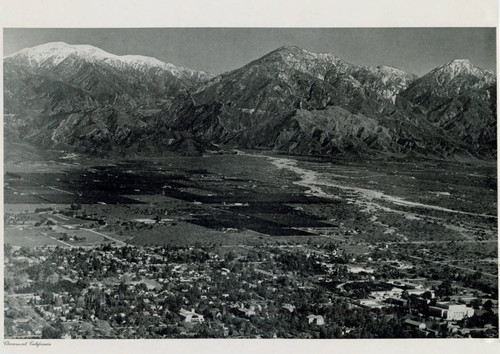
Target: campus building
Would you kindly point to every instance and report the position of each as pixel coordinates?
(451, 312)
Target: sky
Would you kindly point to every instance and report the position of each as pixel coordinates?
(216, 50)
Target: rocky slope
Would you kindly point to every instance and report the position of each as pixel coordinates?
(461, 99)
(348, 108)
(128, 81)
(82, 98)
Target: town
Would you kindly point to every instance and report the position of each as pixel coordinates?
(283, 290)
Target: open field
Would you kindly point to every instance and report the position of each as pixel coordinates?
(27, 237)
(212, 196)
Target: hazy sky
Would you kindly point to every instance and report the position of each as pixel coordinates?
(215, 50)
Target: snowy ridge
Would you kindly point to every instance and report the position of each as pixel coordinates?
(55, 52)
(449, 71)
(389, 70)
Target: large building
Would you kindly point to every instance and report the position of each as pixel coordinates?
(451, 312)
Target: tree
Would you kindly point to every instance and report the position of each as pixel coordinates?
(54, 332)
(444, 289)
(50, 333)
(488, 305)
(476, 304)
(7, 248)
(230, 256)
(427, 295)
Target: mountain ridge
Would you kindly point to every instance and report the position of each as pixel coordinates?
(35, 56)
(289, 100)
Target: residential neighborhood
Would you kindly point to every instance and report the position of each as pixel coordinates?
(280, 291)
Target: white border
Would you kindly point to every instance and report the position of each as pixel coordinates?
(243, 13)
(249, 13)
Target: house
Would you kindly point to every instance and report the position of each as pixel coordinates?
(241, 311)
(453, 328)
(464, 332)
(358, 269)
(415, 324)
(434, 332)
(398, 302)
(246, 312)
(316, 319)
(420, 292)
(215, 313)
(191, 316)
(385, 294)
(371, 303)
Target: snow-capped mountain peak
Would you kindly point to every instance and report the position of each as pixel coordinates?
(389, 70)
(56, 52)
(458, 67)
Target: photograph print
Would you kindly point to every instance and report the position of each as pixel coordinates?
(250, 183)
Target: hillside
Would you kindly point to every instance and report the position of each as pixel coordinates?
(81, 98)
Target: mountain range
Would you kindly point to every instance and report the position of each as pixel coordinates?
(79, 98)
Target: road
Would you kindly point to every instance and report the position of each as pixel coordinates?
(118, 242)
(35, 319)
(454, 266)
(55, 239)
(433, 241)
